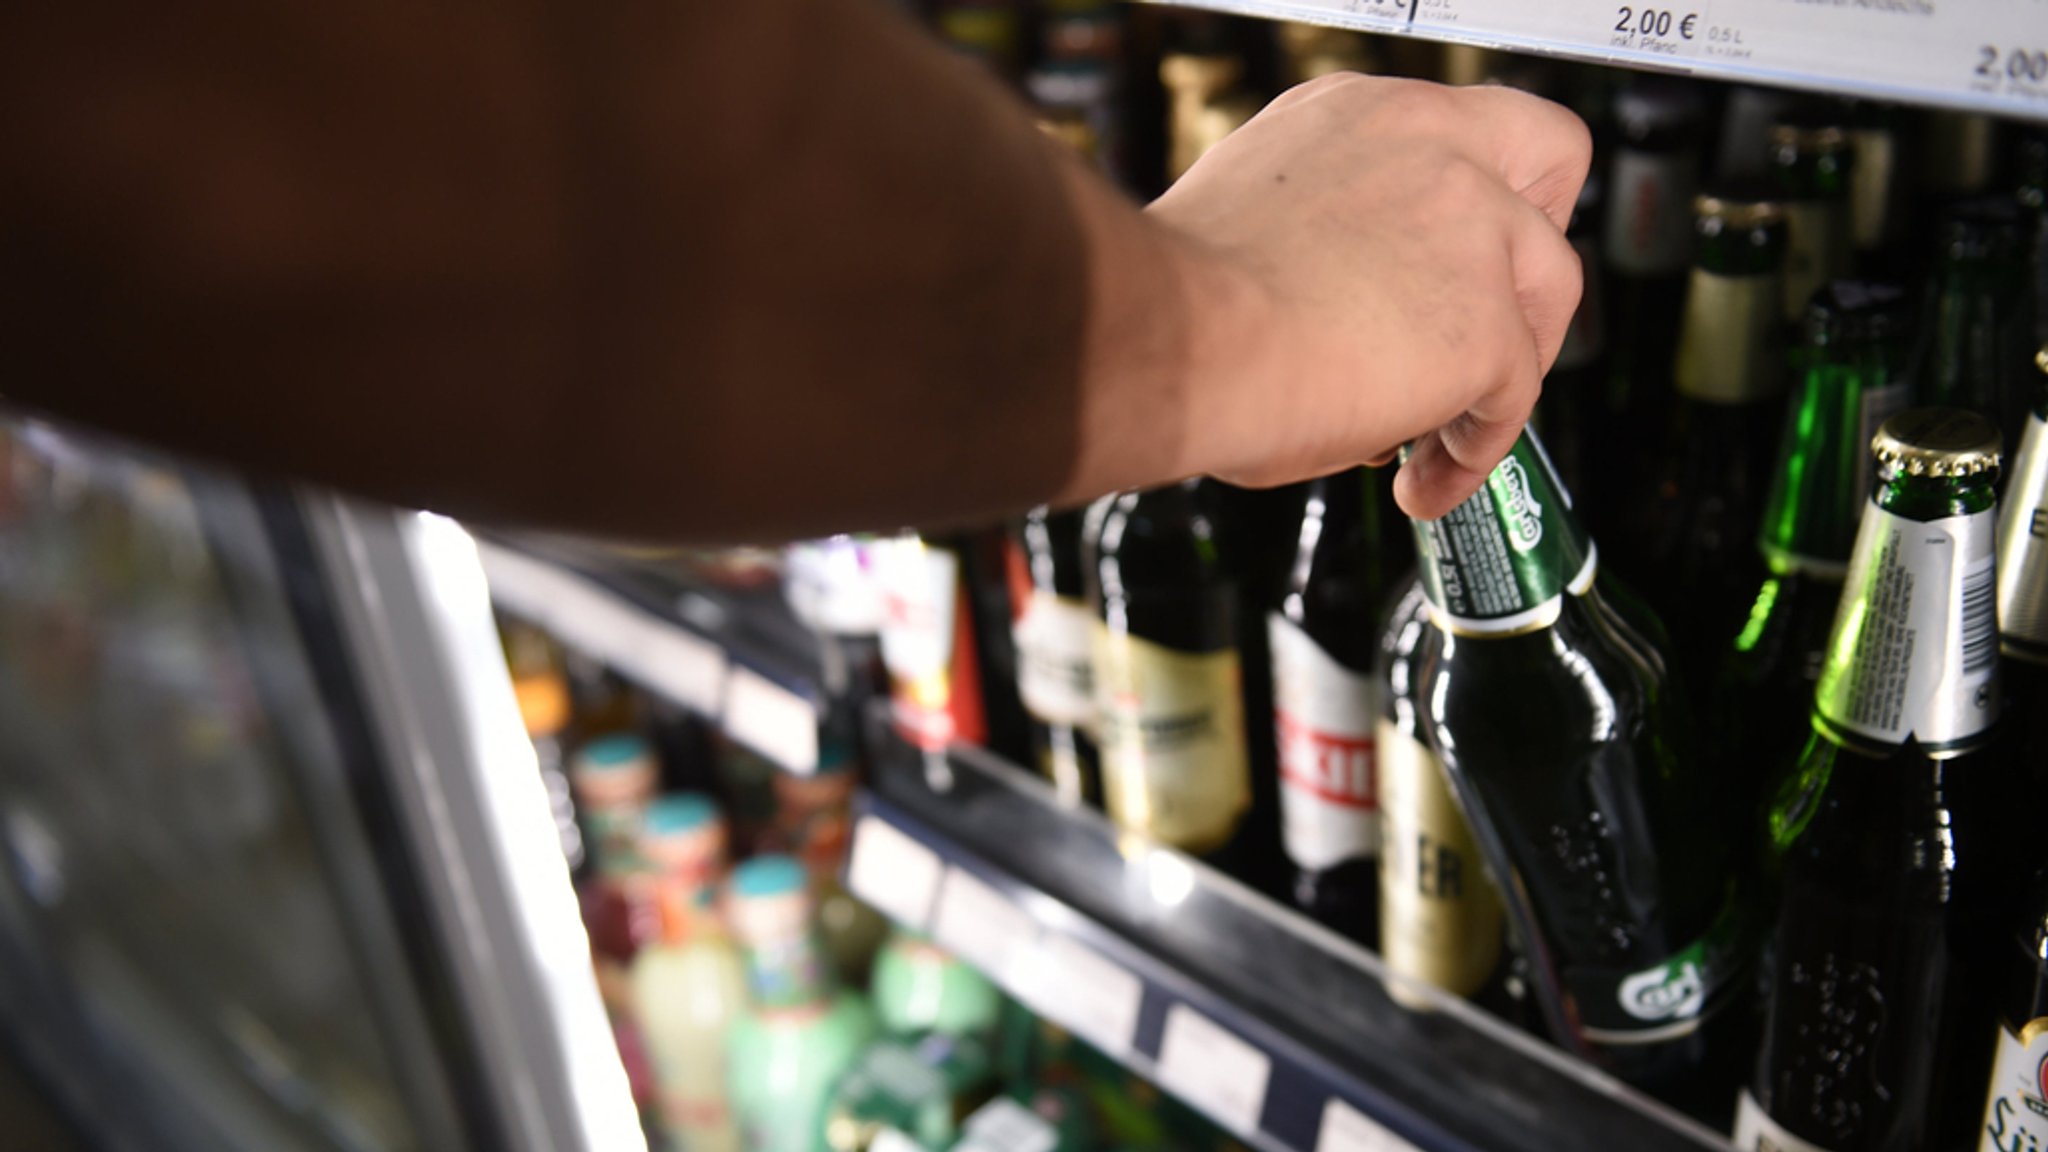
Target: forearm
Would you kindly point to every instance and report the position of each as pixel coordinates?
(708, 271)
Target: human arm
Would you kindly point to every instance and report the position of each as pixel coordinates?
(710, 271)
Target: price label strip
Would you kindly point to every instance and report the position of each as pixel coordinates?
(1991, 54)
(1346, 1129)
(1076, 988)
(1369, 15)
(1208, 1066)
(772, 720)
(892, 872)
(981, 926)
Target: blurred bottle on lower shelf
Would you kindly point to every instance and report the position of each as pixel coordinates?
(800, 1032)
(1321, 638)
(687, 985)
(946, 643)
(908, 1094)
(919, 989)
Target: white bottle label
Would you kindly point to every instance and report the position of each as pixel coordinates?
(2016, 1109)
(1173, 751)
(2023, 545)
(1323, 714)
(1915, 650)
(1755, 1131)
(919, 588)
(1649, 214)
(1056, 659)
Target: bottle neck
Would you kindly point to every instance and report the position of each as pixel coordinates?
(1823, 475)
(1914, 652)
(1728, 347)
(1500, 563)
(2023, 547)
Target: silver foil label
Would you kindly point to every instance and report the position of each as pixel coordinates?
(2023, 546)
(1915, 647)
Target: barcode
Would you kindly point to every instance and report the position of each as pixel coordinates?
(1980, 619)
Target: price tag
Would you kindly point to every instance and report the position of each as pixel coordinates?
(892, 872)
(1346, 1129)
(1372, 15)
(980, 925)
(1211, 1068)
(1076, 988)
(772, 720)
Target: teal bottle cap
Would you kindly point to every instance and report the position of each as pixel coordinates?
(766, 877)
(679, 814)
(613, 753)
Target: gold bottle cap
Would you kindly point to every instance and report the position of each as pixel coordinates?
(1937, 442)
(1736, 212)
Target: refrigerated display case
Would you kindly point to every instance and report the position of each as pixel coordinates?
(277, 870)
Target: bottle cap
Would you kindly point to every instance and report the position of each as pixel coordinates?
(1937, 442)
(614, 770)
(680, 814)
(766, 877)
(1738, 208)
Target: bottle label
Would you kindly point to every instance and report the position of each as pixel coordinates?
(1915, 648)
(1440, 918)
(1666, 1000)
(1649, 218)
(1323, 713)
(2023, 546)
(1755, 1131)
(1818, 249)
(2016, 1108)
(1173, 750)
(1500, 563)
(1870, 187)
(1726, 354)
(1056, 659)
(927, 644)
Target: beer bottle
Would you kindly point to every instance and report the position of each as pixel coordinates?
(1874, 191)
(1440, 914)
(1055, 638)
(1550, 704)
(2023, 585)
(1174, 763)
(2015, 1116)
(1206, 101)
(1848, 385)
(1979, 345)
(1651, 183)
(945, 640)
(1321, 640)
(1887, 847)
(1729, 374)
(1812, 158)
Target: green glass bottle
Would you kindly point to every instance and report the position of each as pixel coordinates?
(1979, 342)
(799, 1034)
(1813, 157)
(1167, 670)
(1849, 384)
(1321, 640)
(1730, 377)
(1890, 839)
(1054, 635)
(1551, 705)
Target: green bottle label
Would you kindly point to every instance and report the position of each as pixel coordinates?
(1500, 563)
(1665, 1000)
(1914, 653)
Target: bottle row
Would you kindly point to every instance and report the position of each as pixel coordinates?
(736, 990)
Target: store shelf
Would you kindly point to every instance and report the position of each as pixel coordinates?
(1279, 1030)
(736, 656)
(1978, 55)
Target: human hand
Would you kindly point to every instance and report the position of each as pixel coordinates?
(1372, 262)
